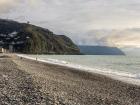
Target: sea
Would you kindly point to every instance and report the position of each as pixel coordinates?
(126, 67)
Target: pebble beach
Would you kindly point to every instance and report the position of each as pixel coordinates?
(28, 82)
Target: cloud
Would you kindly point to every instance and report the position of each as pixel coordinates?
(85, 21)
(10, 5)
(119, 38)
(77, 14)
(128, 37)
(7, 5)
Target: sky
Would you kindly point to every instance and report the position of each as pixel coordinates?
(87, 22)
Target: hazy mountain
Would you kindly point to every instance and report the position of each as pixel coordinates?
(100, 50)
(27, 38)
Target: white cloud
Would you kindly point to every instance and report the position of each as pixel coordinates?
(7, 5)
(119, 38)
(128, 37)
(77, 18)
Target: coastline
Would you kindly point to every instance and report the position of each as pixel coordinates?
(29, 82)
(115, 76)
(68, 86)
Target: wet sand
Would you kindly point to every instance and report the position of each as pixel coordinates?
(28, 82)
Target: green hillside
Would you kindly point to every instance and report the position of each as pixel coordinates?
(31, 39)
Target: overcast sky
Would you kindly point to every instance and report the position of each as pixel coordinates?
(85, 21)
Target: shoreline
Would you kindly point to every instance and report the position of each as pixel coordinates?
(129, 80)
(76, 87)
(30, 82)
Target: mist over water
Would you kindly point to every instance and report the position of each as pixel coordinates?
(131, 51)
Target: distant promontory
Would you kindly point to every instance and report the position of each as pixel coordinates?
(100, 50)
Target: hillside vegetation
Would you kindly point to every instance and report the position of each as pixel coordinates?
(32, 39)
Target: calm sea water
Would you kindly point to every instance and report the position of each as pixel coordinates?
(128, 66)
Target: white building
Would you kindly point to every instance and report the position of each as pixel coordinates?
(2, 50)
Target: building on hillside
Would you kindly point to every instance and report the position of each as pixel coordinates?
(2, 50)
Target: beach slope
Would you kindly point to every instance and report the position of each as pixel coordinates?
(28, 82)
